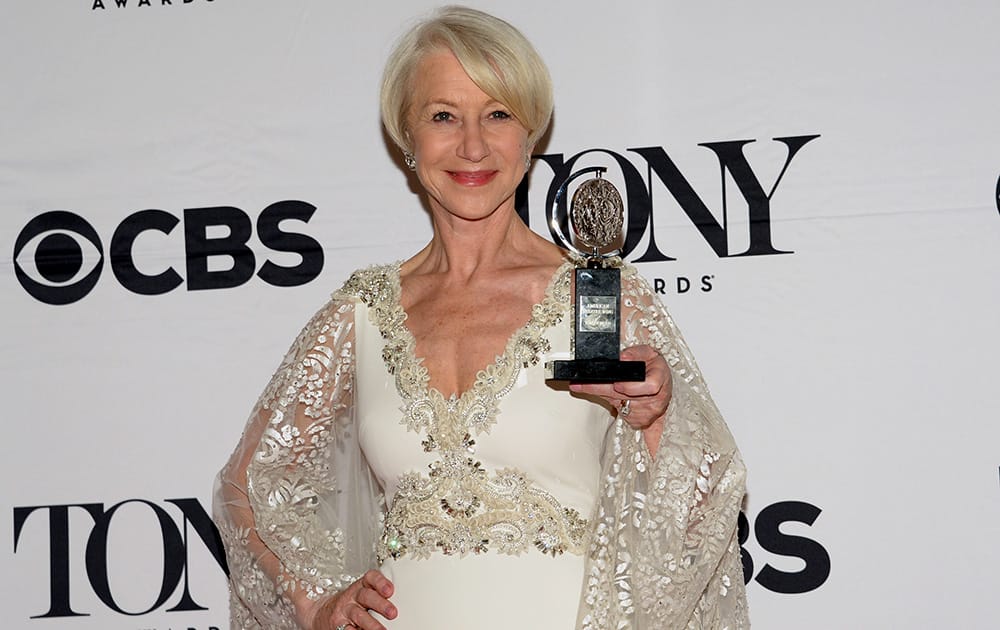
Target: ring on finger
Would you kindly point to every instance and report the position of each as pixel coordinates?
(345, 626)
(625, 409)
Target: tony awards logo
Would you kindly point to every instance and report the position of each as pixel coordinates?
(596, 217)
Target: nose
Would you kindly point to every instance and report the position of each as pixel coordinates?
(473, 145)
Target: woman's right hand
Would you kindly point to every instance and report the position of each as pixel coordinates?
(352, 605)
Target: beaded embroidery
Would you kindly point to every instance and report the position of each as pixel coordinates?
(457, 506)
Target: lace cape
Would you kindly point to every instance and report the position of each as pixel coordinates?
(301, 515)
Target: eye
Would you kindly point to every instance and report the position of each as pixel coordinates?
(441, 117)
(500, 115)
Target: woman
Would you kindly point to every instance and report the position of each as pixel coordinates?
(388, 479)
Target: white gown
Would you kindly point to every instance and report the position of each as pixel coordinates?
(512, 505)
(553, 440)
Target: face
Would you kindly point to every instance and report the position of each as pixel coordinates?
(470, 150)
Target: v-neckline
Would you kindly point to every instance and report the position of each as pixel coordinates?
(544, 314)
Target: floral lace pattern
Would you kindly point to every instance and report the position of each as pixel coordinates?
(302, 516)
(458, 507)
(273, 495)
(664, 552)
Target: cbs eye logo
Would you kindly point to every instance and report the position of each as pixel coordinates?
(64, 258)
(59, 257)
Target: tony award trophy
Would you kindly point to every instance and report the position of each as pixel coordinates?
(595, 218)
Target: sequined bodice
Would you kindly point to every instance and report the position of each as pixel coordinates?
(509, 465)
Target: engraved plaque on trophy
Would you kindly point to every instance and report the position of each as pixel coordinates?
(595, 219)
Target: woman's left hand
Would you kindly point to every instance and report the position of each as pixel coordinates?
(641, 404)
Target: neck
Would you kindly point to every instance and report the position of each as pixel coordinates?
(462, 249)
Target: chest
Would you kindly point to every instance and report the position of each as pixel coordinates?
(554, 438)
(458, 333)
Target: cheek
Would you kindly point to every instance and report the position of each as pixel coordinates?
(430, 145)
(515, 148)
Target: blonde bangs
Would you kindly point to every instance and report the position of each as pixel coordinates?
(494, 54)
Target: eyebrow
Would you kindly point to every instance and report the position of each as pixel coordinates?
(440, 101)
(447, 103)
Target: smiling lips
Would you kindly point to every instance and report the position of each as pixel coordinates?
(472, 178)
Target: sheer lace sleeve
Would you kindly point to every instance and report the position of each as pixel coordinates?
(664, 552)
(297, 508)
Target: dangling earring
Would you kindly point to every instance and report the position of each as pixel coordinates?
(411, 162)
(527, 162)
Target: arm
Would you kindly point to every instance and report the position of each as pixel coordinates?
(296, 505)
(665, 553)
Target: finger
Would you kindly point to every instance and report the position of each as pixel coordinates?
(617, 393)
(639, 389)
(376, 580)
(642, 352)
(604, 390)
(361, 618)
(656, 381)
(657, 374)
(371, 599)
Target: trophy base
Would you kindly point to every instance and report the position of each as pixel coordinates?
(595, 371)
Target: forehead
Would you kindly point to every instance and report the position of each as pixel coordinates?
(439, 77)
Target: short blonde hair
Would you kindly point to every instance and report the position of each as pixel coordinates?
(495, 55)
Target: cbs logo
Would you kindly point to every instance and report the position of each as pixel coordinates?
(59, 257)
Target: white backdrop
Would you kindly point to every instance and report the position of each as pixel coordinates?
(858, 372)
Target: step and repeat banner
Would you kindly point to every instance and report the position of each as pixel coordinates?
(812, 188)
